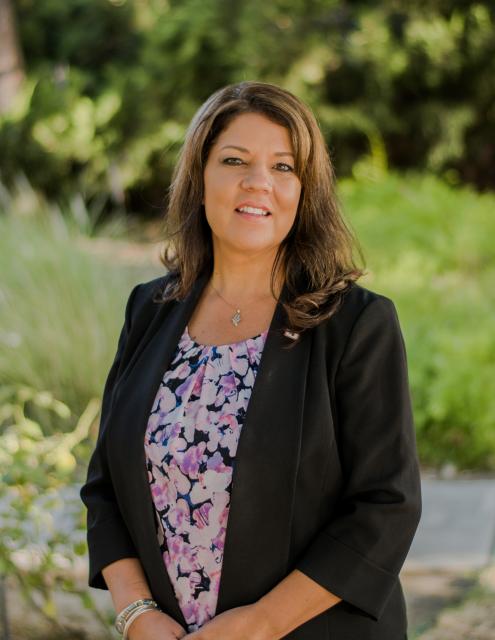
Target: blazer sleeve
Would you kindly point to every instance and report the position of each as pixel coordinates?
(107, 535)
(359, 553)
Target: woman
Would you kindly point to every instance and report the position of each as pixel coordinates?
(299, 527)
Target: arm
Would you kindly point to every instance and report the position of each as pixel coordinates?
(108, 538)
(292, 602)
(359, 554)
(112, 556)
(127, 583)
(107, 534)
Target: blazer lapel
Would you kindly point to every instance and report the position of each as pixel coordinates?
(258, 532)
(257, 543)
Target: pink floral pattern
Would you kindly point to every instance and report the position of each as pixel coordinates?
(190, 444)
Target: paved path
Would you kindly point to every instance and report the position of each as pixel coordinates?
(457, 528)
(455, 539)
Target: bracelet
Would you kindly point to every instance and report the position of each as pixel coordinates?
(124, 615)
(135, 614)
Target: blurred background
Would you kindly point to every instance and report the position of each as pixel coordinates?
(95, 97)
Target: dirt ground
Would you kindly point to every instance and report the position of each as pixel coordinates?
(429, 592)
(474, 620)
(450, 606)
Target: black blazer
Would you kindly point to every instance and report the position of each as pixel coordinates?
(326, 477)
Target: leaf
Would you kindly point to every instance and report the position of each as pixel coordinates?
(49, 608)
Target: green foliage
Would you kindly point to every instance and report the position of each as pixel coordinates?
(429, 247)
(423, 77)
(61, 306)
(43, 524)
(113, 84)
(86, 34)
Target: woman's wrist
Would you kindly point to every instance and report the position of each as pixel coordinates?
(126, 582)
(264, 623)
(133, 618)
(155, 624)
(132, 611)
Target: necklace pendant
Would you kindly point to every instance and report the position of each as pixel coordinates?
(236, 318)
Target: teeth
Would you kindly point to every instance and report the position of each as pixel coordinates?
(253, 210)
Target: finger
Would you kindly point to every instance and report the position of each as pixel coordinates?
(178, 631)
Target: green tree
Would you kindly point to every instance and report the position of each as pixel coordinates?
(112, 85)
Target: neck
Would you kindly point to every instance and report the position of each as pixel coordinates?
(244, 278)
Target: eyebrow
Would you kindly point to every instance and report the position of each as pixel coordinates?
(244, 150)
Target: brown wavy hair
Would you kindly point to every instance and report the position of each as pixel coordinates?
(317, 255)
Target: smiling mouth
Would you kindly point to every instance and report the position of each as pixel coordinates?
(253, 212)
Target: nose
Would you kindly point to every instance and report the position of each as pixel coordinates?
(257, 178)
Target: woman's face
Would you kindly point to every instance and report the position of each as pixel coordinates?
(249, 172)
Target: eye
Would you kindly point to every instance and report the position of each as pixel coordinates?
(287, 168)
(235, 162)
(228, 161)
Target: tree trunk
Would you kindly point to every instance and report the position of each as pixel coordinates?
(11, 59)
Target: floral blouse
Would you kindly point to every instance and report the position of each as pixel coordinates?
(190, 444)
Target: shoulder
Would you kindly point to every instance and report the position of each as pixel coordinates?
(359, 300)
(152, 290)
(146, 297)
(365, 327)
(363, 315)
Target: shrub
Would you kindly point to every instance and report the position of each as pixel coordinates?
(61, 306)
(430, 248)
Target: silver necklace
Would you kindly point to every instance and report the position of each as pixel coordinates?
(236, 318)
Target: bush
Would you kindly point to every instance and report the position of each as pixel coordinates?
(112, 85)
(42, 519)
(430, 248)
(61, 307)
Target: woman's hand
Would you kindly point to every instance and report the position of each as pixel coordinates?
(241, 623)
(155, 625)
(127, 583)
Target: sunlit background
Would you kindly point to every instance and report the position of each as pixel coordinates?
(95, 97)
